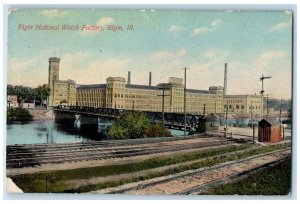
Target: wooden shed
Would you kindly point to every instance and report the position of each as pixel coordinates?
(269, 130)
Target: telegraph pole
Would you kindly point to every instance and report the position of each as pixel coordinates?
(251, 107)
(184, 101)
(267, 105)
(163, 87)
(280, 120)
(226, 119)
(204, 109)
(262, 78)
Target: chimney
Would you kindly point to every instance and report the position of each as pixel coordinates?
(225, 80)
(128, 79)
(150, 78)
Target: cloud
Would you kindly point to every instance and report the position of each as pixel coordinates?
(214, 25)
(209, 54)
(86, 70)
(104, 21)
(164, 55)
(54, 13)
(266, 58)
(279, 27)
(198, 31)
(175, 29)
(23, 72)
(101, 22)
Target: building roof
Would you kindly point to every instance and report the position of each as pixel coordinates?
(65, 81)
(138, 86)
(91, 86)
(198, 91)
(241, 96)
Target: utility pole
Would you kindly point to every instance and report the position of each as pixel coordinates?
(280, 120)
(226, 119)
(204, 109)
(251, 107)
(184, 101)
(253, 133)
(262, 78)
(267, 105)
(163, 87)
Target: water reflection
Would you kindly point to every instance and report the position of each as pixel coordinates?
(38, 132)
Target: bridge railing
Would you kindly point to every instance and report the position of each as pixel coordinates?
(192, 120)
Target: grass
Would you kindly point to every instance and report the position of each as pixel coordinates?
(55, 180)
(272, 181)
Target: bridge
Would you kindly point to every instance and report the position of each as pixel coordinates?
(91, 116)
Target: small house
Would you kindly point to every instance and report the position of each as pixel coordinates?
(269, 130)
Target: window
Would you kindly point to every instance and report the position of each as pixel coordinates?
(237, 107)
(242, 106)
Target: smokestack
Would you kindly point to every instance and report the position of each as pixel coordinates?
(150, 78)
(225, 80)
(128, 79)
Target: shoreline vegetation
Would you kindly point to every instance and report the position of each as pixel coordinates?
(21, 115)
(18, 115)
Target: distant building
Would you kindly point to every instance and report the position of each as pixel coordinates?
(61, 91)
(28, 104)
(12, 101)
(243, 104)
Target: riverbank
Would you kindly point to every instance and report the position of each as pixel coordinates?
(41, 114)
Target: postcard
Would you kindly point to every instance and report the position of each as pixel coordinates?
(149, 102)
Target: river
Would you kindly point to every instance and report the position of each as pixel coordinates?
(46, 131)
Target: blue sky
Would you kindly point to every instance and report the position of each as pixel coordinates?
(163, 42)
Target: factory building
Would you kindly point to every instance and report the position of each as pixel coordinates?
(62, 92)
(116, 93)
(121, 94)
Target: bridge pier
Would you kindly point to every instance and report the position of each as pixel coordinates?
(103, 125)
(85, 122)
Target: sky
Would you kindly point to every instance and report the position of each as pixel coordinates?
(161, 41)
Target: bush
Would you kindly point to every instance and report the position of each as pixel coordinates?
(157, 130)
(129, 126)
(18, 114)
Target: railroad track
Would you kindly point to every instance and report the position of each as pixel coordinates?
(196, 174)
(20, 156)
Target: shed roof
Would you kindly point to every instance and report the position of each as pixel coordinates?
(271, 121)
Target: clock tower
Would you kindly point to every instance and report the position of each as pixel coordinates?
(52, 77)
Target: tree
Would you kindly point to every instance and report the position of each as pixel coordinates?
(129, 126)
(42, 92)
(10, 89)
(22, 92)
